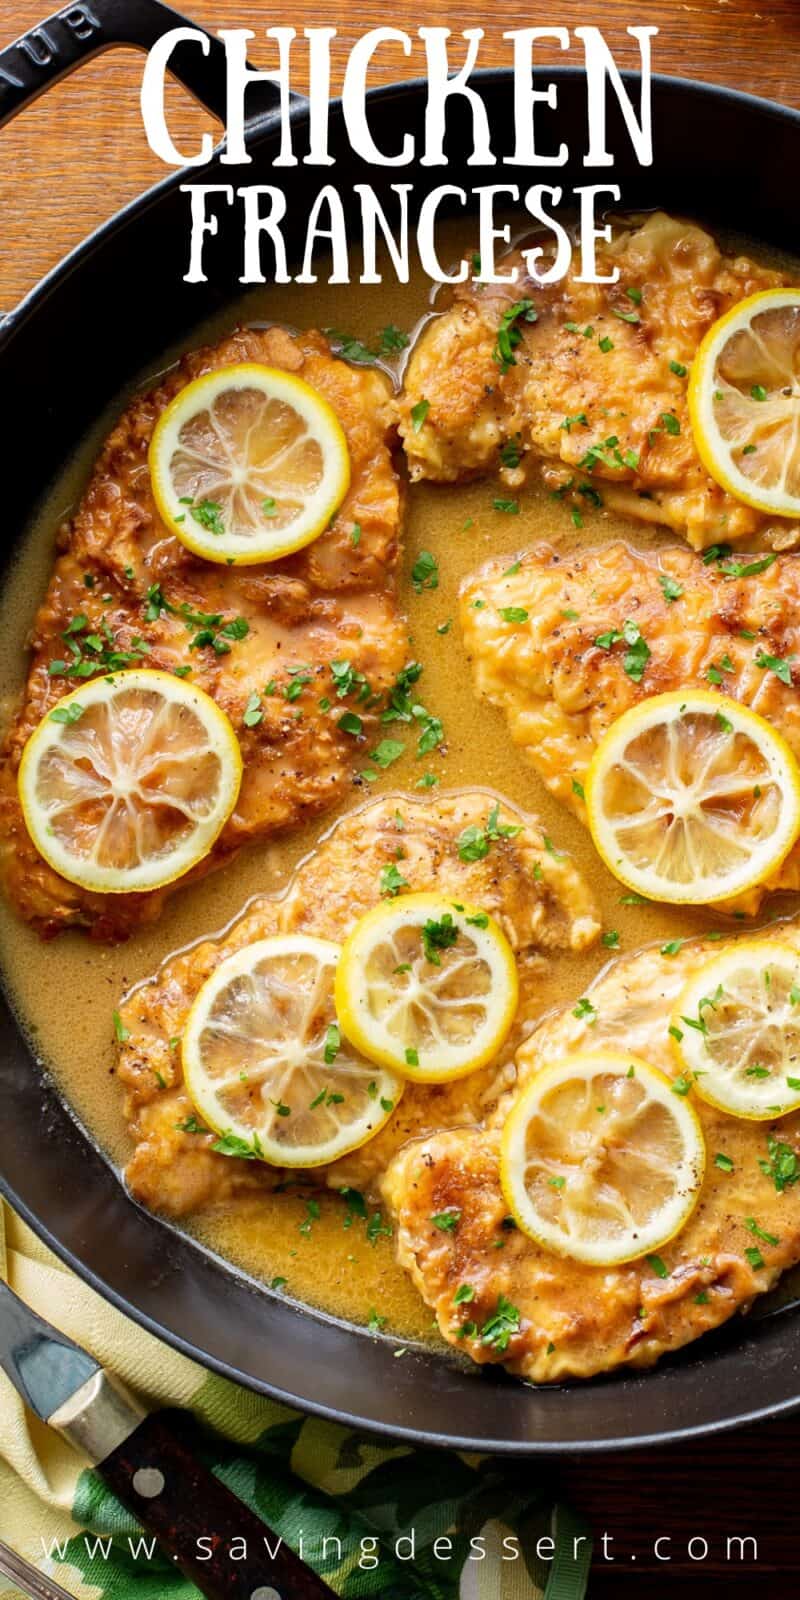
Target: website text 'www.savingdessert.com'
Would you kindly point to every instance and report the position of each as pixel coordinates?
(369, 1551)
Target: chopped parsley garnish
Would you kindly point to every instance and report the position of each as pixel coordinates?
(438, 935)
(210, 625)
(347, 681)
(748, 569)
(510, 453)
(758, 391)
(509, 507)
(387, 751)
(509, 334)
(333, 1043)
(391, 340)
(585, 1009)
(678, 368)
(780, 665)
(230, 1144)
(514, 614)
(374, 1321)
(401, 707)
(252, 711)
(758, 1233)
(92, 653)
(611, 939)
(377, 1229)
(432, 732)
(190, 1124)
(67, 714)
(658, 1266)
(312, 1215)
(208, 513)
(608, 453)
(637, 654)
(723, 1162)
(121, 1032)
(356, 1206)
(464, 1293)
(447, 1221)
(391, 881)
(715, 552)
(474, 842)
(418, 414)
(499, 1328)
(425, 572)
(352, 349)
(781, 1165)
(350, 723)
(606, 344)
(671, 589)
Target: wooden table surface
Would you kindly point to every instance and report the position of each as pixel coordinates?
(69, 162)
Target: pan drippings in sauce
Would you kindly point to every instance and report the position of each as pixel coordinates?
(65, 992)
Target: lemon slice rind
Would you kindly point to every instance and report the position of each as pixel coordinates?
(282, 1066)
(707, 394)
(479, 970)
(270, 535)
(759, 858)
(740, 1088)
(71, 746)
(577, 1189)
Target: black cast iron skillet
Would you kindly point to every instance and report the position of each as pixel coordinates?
(107, 312)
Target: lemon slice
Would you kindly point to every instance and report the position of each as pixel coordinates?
(248, 464)
(744, 401)
(427, 986)
(736, 1030)
(600, 1159)
(265, 1063)
(127, 782)
(693, 798)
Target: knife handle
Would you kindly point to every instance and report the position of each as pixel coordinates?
(196, 1519)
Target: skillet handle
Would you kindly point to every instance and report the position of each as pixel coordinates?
(215, 1539)
(84, 29)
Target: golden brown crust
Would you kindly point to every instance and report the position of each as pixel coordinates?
(574, 1320)
(561, 691)
(333, 600)
(541, 901)
(600, 359)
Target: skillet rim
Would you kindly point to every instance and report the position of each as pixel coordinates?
(261, 125)
(14, 322)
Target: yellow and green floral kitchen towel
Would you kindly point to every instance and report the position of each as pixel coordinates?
(369, 1513)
